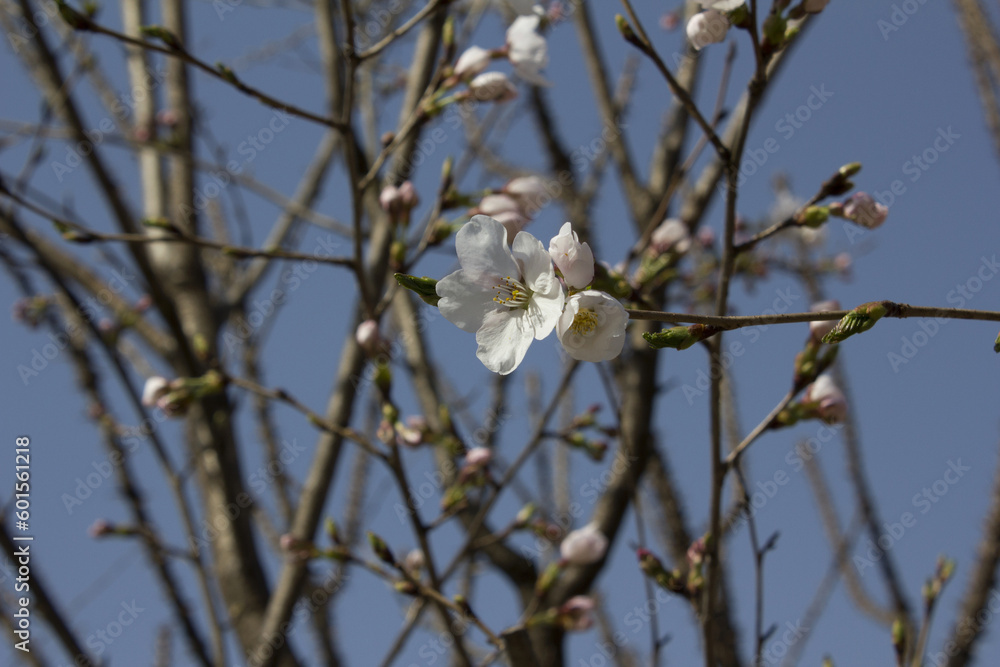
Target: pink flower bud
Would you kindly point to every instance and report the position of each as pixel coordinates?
(584, 546)
(820, 328)
(492, 87)
(575, 613)
(414, 561)
(100, 528)
(389, 198)
(408, 195)
(831, 403)
(862, 209)
(493, 205)
(531, 191)
(156, 388)
(478, 457)
(472, 62)
(708, 27)
(574, 259)
(513, 222)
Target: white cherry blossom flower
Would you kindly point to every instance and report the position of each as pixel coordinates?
(574, 259)
(863, 210)
(592, 328)
(508, 296)
(671, 236)
(527, 49)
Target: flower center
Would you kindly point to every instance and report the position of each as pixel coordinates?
(511, 293)
(584, 322)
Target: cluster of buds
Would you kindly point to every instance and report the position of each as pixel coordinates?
(399, 200)
(686, 584)
(175, 396)
(574, 615)
(822, 400)
(943, 570)
(31, 311)
(710, 26)
(524, 47)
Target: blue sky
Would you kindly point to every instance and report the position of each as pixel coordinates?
(895, 100)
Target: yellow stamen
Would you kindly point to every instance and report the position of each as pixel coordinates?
(584, 323)
(511, 293)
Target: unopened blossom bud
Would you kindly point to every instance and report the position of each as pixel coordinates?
(494, 205)
(408, 436)
(863, 210)
(367, 336)
(842, 262)
(167, 117)
(100, 528)
(670, 20)
(574, 259)
(389, 198)
(820, 328)
(472, 62)
(531, 192)
(408, 195)
(492, 87)
(860, 319)
(708, 27)
(680, 337)
(524, 514)
(584, 546)
(478, 457)
(380, 548)
(671, 236)
(414, 561)
(831, 403)
(575, 613)
(156, 388)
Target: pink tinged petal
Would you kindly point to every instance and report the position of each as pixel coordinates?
(464, 302)
(574, 259)
(481, 245)
(534, 261)
(503, 340)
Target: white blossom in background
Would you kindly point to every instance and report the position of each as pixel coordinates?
(155, 388)
(584, 546)
(506, 210)
(508, 296)
(513, 222)
(492, 87)
(862, 209)
(527, 49)
(574, 259)
(671, 236)
(414, 561)
(473, 61)
(367, 335)
(707, 27)
(531, 192)
(820, 328)
(831, 402)
(592, 327)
